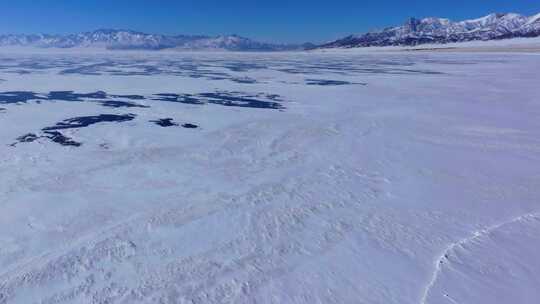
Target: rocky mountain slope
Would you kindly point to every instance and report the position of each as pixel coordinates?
(126, 39)
(439, 30)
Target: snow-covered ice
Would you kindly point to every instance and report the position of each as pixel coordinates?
(269, 178)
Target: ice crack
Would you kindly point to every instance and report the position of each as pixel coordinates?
(440, 261)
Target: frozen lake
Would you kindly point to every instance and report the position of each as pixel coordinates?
(269, 178)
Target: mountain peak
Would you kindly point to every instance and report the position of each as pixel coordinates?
(128, 39)
(533, 19)
(438, 30)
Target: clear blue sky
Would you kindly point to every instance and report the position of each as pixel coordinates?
(267, 20)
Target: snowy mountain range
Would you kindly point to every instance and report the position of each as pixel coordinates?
(438, 30)
(126, 39)
(413, 32)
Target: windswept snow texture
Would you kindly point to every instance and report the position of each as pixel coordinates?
(392, 178)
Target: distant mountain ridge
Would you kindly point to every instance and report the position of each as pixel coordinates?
(440, 30)
(130, 40)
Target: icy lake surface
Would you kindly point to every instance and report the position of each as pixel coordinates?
(270, 178)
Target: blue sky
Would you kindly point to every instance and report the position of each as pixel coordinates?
(271, 20)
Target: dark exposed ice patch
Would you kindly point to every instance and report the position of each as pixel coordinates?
(20, 72)
(19, 97)
(244, 80)
(216, 69)
(121, 104)
(293, 71)
(243, 66)
(132, 97)
(30, 137)
(180, 98)
(238, 99)
(85, 121)
(100, 97)
(54, 136)
(168, 122)
(226, 98)
(60, 138)
(164, 122)
(72, 96)
(327, 82)
(92, 69)
(424, 72)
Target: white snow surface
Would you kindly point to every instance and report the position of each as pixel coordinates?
(417, 182)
